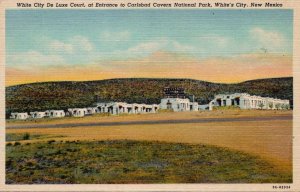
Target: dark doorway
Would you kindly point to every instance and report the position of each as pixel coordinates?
(219, 102)
(237, 101)
(129, 109)
(110, 110)
(169, 105)
(121, 109)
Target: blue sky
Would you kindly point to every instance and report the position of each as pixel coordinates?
(82, 37)
(198, 32)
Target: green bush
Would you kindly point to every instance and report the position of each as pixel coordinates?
(277, 106)
(17, 143)
(26, 136)
(261, 105)
(8, 144)
(51, 141)
(271, 105)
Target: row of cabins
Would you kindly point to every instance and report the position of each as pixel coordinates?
(39, 114)
(247, 101)
(241, 100)
(114, 108)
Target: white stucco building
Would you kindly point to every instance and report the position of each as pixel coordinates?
(92, 110)
(116, 108)
(21, 116)
(194, 106)
(54, 113)
(203, 107)
(178, 104)
(78, 112)
(37, 114)
(247, 101)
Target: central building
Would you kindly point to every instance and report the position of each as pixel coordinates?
(175, 100)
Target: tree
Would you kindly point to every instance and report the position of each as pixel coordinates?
(26, 136)
(261, 105)
(277, 106)
(271, 105)
(285, 106)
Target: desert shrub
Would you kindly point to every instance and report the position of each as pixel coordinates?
(51, 141)
(271, 105)
(125, 161)
(261, 105)
(8, 144)
(17, 143)
(26, 136)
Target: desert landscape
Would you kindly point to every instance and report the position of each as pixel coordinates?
(266, 135)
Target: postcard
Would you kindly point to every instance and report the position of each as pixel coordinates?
(149, 96)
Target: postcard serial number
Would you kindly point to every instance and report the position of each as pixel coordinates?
(281, 187)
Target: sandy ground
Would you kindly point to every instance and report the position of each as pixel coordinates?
(270, 139)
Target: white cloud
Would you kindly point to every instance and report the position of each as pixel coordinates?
(69, 46)
(141, 49)
(270, 40)
(53, 52)
(33, 58)
(214, 40)
(58, 46)
(182, 47)
(115, 36)
(159, 45)
(149, 47)
(81, 43)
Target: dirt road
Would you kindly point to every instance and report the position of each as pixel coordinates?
(149, 122)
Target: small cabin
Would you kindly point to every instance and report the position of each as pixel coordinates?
(21, 116)
(55, 113)
(78, 112)
(37, 114)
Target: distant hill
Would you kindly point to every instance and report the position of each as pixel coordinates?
(63, 95)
